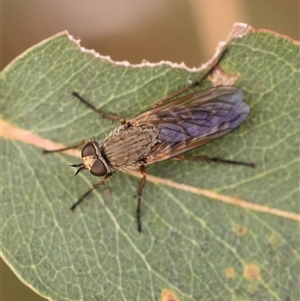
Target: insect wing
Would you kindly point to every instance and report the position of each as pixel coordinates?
(193, 120)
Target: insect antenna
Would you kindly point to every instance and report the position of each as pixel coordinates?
(80, 168)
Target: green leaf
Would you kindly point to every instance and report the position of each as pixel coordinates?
(210, 231)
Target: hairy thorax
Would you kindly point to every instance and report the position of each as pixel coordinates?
(127, 147)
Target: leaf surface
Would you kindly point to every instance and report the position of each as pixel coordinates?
(210, 231)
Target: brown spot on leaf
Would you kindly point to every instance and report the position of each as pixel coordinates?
(230, 273)
(241, 230)
(252, 272)
(168, 295)
(219, 77)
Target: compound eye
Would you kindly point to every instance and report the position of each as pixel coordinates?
(98, 169)
(88, 150)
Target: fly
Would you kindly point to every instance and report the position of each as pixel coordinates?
(172, 127)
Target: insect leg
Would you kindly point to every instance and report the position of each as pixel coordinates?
(68, 147)
(90, 190)
(209, 159)
(102, 114)
(139, 193)
(196, 83)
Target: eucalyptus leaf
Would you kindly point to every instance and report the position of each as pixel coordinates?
(210, 231)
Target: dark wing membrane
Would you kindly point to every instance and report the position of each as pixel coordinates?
(194, 120)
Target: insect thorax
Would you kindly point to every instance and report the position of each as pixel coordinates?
(128, 147)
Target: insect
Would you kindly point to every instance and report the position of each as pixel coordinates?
(173, 126)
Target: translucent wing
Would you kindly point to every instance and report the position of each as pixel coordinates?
(193, 120)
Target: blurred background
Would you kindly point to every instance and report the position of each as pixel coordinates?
(132, 30)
